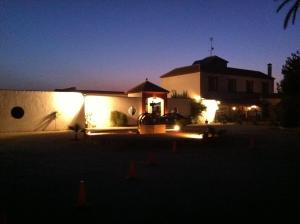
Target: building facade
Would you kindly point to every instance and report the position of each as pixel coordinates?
(23, 110)
(225, 91)
(210, 79)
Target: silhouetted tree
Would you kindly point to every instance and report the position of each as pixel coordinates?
(291, 14)
(290, 91)
(197, 108)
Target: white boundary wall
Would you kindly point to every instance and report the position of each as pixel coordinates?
(54, 111)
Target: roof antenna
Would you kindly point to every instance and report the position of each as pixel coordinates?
(211, 39)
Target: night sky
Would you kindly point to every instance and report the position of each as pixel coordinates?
(115, 45)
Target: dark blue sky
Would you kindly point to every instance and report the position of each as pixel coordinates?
(114, 45)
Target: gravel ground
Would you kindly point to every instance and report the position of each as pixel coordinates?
(251, 171)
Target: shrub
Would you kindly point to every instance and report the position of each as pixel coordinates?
(118, 118)
(196, 109)
(76, 128)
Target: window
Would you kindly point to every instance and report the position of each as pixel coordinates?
(131, 110)
(212, 83)
(17, 112)
(249, 86)
(265, 88)
(232, 85)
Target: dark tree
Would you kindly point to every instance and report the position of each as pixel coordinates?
(291, 14)
(290, 91)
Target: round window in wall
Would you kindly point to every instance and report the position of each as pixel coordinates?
(17, 112)
(131, 110)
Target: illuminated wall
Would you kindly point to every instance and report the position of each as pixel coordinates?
(98, 110)
(210, 112)
(187, 82)
(42, 110)
(211, 108)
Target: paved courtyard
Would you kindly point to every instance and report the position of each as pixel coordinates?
(250, 171)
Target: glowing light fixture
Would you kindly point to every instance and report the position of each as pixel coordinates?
(191, 135)
(233, 108)
(176, 127)
(97, 133)
(197, 98)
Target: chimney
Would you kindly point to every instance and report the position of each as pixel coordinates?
(270, 70)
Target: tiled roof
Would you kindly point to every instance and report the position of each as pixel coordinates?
(147, 87)
(97, 92)
(182, 71)
(210, 60)
(215, 65)
(100, 92)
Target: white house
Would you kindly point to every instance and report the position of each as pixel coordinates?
(221, 87)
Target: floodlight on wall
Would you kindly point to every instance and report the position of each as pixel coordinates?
(211, 108)
(67, 104)
(98, 111)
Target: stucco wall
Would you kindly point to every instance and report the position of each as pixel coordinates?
(183, 106)
(42, 110)
(135, 94)
(188, 82)
(98, 110)
(122, 104)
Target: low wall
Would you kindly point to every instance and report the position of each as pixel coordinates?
(39, 110)
(152, 129)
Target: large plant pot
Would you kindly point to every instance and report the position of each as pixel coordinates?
(152, 128)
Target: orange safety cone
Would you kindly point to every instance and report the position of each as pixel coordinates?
(174, 147)
(81, 202)
(132, 171)
(151, 161)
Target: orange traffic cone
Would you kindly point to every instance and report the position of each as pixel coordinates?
(151, 161)
(132, 171)
(81, 202)
(174, 147)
